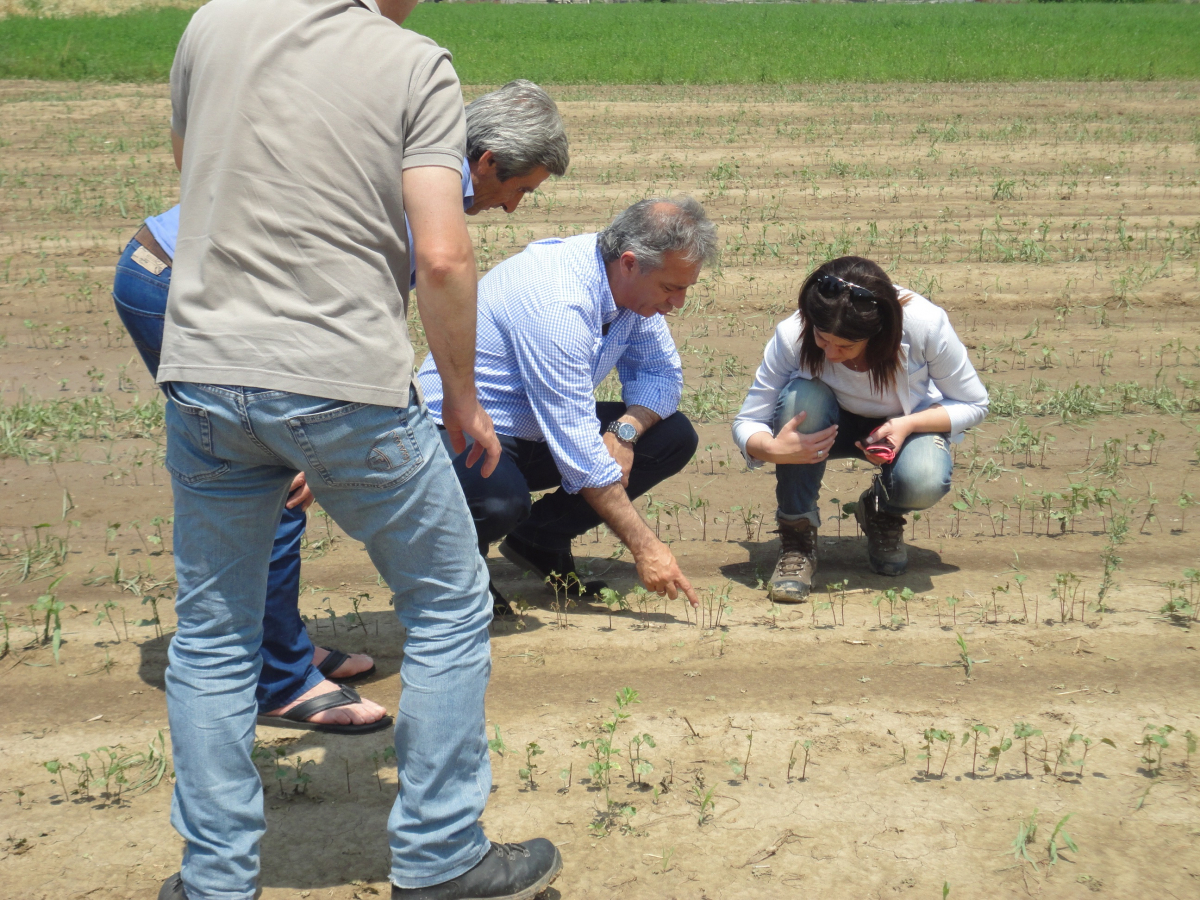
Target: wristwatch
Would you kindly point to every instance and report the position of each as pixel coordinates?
(624, 432)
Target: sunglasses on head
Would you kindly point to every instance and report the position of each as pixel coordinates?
(832, 287)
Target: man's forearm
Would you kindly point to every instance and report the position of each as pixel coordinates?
(448, 311)
(642, 418)
(613, 506)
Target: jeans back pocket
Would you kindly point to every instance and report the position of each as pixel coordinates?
(190, 456)
(359, 445)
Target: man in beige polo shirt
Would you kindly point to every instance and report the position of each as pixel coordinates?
(305, 130)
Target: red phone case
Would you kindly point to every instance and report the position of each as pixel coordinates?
(886, 452)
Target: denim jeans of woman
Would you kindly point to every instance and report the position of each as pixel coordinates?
(287, 650)
(917, 479)
(384, 477)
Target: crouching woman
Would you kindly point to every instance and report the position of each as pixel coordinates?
(864, 369)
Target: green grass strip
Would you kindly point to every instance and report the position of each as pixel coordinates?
(698, 43)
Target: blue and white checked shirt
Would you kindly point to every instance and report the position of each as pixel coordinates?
(541, 351)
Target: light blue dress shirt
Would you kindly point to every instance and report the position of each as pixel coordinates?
(165, 229)
(542, 348)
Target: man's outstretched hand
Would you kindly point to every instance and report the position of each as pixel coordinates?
(470, 419)
(661, 574)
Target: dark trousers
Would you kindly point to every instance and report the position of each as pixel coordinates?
(500, 504)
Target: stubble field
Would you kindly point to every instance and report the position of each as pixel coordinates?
(814, 750)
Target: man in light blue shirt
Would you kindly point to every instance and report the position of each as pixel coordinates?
(553, 322)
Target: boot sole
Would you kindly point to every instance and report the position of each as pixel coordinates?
(780, 597)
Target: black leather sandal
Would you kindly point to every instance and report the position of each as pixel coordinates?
(298, 716)
(333, 662)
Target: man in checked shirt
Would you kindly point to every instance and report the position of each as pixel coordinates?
(553, 322)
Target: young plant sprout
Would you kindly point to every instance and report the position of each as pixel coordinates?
(1026, 834)
(934, 736)
(1052, 849)
(1025, 732)
(1001, 746)
(973, 735)
(526, 774)
(704, 801)
(496, 744)
(964, 655)
(1073, 738)
(1154, 743)
(638, 766)
(614, 601)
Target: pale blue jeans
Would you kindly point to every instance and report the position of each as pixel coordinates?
(384, 477)
(917, 479)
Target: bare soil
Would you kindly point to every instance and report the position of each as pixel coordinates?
(1058, 224)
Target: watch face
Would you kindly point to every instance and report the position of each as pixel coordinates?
(627, 432)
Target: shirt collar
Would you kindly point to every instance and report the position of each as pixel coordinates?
(468, 186)
(372, 6)
(608, 306)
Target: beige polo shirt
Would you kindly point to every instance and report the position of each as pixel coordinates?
(291, 268)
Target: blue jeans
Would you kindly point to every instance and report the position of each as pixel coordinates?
(500, 504)
(386, 480)
(917, 479)
(287, 671)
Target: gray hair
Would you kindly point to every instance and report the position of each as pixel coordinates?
(652, 228)
(520, 124)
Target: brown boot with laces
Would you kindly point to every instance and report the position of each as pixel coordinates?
(885, 535)
(791, 581)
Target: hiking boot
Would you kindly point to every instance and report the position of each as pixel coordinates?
(885, 535)
(501, 608)
(507, 872)
(541, 562)
(792, 579)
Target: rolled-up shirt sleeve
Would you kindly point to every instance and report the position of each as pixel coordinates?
(436, 128)
(779, 366)
(553, 351)
(964, 398)
(650, 371)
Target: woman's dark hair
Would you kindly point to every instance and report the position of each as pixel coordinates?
(840, 306)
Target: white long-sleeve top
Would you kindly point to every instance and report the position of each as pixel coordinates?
(934, 361)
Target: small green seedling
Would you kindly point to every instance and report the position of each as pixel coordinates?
(638, 766)
(953, 602)
(614, 600)
(807, 748)
(665, 866)
(1154, 743)
(1052, 849)
(704, 802)
(1001, 746)
(1076, 738)
(973, 735)
(934, 736)
(964, 655)
(49, 604)
(527, 773)
(1026, 834)
(496, 744)
(1025, 732)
